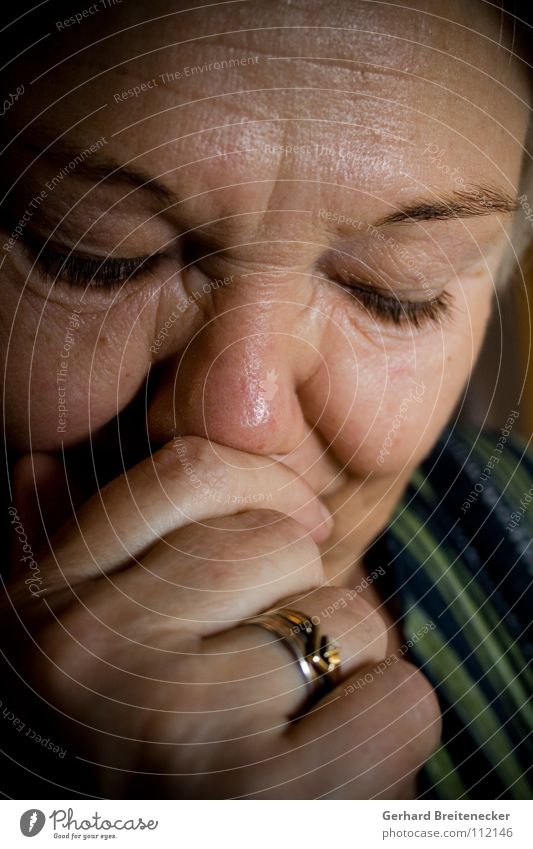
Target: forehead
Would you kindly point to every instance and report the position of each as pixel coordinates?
(350, 96)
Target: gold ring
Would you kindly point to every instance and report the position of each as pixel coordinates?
(318, 657)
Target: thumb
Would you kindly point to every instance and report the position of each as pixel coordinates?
(42, 500)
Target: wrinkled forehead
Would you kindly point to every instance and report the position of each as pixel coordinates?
(446, 42)
(358, 91)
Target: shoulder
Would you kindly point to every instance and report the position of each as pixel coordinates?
(472, 500)
(480, 472)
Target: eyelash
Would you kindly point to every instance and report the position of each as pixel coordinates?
(75, 270)
(395, 311)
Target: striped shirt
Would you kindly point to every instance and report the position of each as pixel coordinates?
(458, 554)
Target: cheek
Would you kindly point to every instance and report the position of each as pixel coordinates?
(380, 401)
(77, 373)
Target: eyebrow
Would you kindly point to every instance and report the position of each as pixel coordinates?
(475, 200)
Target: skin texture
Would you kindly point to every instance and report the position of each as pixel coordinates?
(280, 385)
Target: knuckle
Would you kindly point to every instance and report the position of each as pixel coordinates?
(372, 631)
(290, 533)
(371, 625)
(189, 459)
(367, 620)
(236, 553)
(276, 525)
(258, 539)
(260, 517)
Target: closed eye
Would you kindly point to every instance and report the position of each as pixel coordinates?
(396, 310)
(82, 270)
(112, 272)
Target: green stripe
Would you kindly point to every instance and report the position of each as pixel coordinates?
(468, 582)
(445, 779)
(468, 700)
(475, 617)
(490, 648)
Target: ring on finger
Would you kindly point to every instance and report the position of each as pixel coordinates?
(318, 657)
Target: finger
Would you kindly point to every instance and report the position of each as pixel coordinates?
(240, 679)
(169, 491)
(169, 600)
(203, 581)
(261, 666)
(365, 744)
(369, 737)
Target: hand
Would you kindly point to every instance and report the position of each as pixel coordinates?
(140, 651)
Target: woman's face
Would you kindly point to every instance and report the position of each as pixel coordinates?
(265, 158)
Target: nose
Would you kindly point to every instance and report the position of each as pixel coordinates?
(236, 381)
